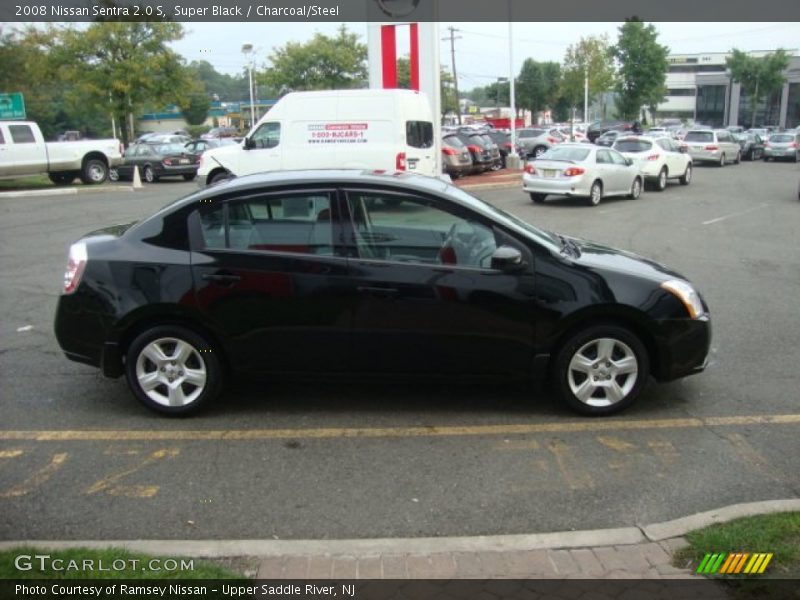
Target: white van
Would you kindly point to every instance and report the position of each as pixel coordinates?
(337, 129)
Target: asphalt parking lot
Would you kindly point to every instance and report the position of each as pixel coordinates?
(81, 459)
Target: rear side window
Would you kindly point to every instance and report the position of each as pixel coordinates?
(699, 136)
(298, 223)
(21, 134)
(632, 146)
(419, 134)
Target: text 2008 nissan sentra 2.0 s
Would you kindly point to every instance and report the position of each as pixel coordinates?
(369, 272)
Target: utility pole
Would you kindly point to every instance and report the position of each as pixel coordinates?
(453, 39)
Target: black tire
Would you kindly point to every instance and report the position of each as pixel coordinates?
(202, 357)
(538, 198)
(61, 178)
(94, 171)
(661, 182)
(738, 158)
(113, 175)
(218, 177)
(189, 176)
(721, 161)
(595, 193)
(686, 178)
(636, 189)
(630, 385)
(148, 175)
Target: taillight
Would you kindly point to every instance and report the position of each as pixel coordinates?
(573, 171)
(793, 145)
(475, 149)
(76, 263)
(400, 161)
(529, 169)
(167, 161)
(508, 145)
(552, 140)
(712, 148)
(449, 151)
(653, 157)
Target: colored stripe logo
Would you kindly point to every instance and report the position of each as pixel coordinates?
(734, 563)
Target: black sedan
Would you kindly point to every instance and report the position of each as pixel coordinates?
(310, 272)
(155, 161)
(752, 145)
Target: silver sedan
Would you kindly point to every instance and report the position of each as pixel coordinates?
(582, 170)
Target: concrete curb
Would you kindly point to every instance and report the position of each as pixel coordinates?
(71, 191)
(489, 186)
(373, 547)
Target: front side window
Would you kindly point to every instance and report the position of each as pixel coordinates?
(603, 157)
(297, 223)
(268, 135)
(417, 230)
(419, 134)
(2, 141)
(617, 158)
(21, 134)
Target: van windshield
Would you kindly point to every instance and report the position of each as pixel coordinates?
(419, 134)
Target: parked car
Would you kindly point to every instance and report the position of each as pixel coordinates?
(455, 156)
(782, 145)
(25, 153)
(304, 271)
(583, 170)
(480, 153)
(752, 145)
(598, 128)
(168, 138)
(494, 151)
(658, 159)
(155, 161)
(504, 144)
(608, 138)
(533, 142)
(200, 145)
(220, 132)
(713, 145)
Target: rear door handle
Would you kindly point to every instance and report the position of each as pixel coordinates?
(383, 292)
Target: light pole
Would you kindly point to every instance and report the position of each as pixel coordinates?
(512, 160)
(247, 50)
(586, 93)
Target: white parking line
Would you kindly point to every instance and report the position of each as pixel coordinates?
(736, 214)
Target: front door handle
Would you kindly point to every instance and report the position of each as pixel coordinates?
(383, 292)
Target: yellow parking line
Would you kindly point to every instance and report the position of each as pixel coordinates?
(38, 478)
(392, 432)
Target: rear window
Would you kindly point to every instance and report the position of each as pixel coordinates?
(699, 136)
(454, 141)
(781, 138)
(419, 134)
(566, 153)
(169, 148)
(632, 146)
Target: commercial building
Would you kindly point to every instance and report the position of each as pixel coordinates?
(700, 89)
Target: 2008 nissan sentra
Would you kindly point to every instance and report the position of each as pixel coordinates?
(369, 272)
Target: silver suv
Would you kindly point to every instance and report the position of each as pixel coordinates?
(713, 145)
(535, 141)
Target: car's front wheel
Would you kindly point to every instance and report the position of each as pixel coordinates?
(636, 189)
(601, 370)
(661, 182)
(173, 370)
(686, 178)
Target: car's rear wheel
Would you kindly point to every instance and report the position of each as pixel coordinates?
(94, 171)
(722, 161)
(661, 182)
(149, 175)
(686, 178)
(601, 370)
(636, 189)
(62, 178)
(173, 370)
(595, 193)
(738, 158)
(189, 176)
(538, 198)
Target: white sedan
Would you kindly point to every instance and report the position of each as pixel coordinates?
(658, 159)
(583, 170)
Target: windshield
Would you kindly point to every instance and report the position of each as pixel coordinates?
(699, 136)
(632, 146)
(566, 153)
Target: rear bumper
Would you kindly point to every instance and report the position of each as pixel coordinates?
(176, 171)
(780, 152)
(573, 186)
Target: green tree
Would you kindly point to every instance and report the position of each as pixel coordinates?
(124, 66)
(323, 63)
(642, 71)
(230, 88)
(195, 104)
(760, 77)
(591, 58)
(537, 86)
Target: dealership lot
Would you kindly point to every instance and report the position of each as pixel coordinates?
(350, 459)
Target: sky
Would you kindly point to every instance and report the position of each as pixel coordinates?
(482, 51)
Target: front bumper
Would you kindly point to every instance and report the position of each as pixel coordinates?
(683, 347)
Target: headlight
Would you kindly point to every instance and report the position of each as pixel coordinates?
(686, 294)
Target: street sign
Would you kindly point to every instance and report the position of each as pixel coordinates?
(12, 106)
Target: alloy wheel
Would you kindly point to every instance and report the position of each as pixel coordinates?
(602, 372)
(171, 372)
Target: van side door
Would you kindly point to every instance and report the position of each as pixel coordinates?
(263, 150)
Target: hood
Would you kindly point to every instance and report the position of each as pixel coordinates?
(223, 154)
(611, 259)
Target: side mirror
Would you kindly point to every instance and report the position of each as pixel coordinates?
(507, 259)
(249, 143)
(628, 161)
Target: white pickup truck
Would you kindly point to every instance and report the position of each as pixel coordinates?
(23, 152)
